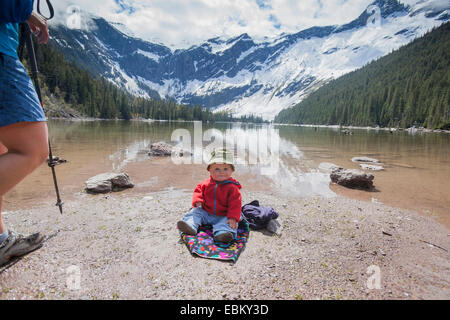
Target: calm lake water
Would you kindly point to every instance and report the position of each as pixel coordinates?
(277, 159)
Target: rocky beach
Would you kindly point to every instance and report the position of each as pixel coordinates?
(126, 246)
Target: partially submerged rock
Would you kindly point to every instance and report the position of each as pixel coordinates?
(347, 132)
(352, 178)
(371, 167)
(108, 182)
(367, 163)
(162, 149)
(365, 159)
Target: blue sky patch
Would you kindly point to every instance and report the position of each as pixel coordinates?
(275, 21)
(264, 4)
(125, 7)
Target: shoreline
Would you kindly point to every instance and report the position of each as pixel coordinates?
(412, 130)
(127, 247)
(394, 186)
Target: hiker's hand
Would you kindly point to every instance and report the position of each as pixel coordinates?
(232, 223)
(198, 204)
(38, 26)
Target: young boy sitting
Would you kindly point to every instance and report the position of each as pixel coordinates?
(216, 201)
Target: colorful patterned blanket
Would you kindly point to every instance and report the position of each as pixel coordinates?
(203, 243)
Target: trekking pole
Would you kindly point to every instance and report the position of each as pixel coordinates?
(27, 36)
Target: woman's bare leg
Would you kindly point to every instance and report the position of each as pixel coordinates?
(2, 224)
(23, 148)
(27, 144)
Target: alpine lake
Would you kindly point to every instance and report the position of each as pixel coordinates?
(278, 159)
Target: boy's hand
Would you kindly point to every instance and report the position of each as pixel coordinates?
(232, 223)
(198, 204)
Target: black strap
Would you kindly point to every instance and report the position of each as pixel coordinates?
(50, 8)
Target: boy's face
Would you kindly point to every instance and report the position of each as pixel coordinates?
(220, 171)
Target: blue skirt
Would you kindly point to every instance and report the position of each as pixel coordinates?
(18, 98)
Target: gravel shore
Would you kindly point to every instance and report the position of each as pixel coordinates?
(122, 246)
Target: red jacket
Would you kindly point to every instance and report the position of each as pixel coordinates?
(219, 198)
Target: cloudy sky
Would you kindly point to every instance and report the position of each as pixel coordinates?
(182, 23)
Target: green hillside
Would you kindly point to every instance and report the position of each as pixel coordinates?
(410, 86)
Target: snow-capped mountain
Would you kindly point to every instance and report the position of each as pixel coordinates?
(241, 75)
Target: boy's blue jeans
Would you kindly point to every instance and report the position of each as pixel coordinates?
(197, 217)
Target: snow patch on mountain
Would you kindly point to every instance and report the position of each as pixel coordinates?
(149, 55)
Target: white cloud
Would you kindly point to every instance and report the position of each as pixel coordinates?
(181, 23)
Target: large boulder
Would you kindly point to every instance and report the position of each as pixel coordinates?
(162, 149)
(352, 178)
(108, 182)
